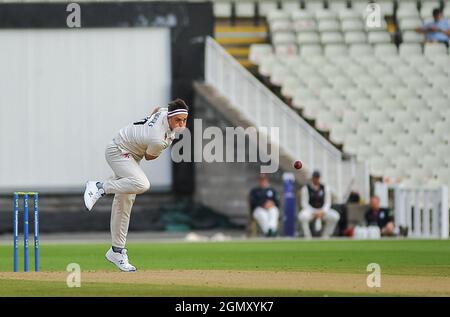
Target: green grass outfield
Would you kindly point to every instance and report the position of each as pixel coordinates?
(396, 257)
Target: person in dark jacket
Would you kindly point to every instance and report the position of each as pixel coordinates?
(264, 206)
(381, 217)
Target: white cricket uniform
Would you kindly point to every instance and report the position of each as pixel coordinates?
(151, 135)
(331, 216)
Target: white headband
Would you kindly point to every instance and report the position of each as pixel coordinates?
(176, 112)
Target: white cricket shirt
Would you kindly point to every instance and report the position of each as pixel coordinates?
(150, 135)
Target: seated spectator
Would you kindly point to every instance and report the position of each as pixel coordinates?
(264, 205)
(437, 30)
(316, 205)
(381, 217)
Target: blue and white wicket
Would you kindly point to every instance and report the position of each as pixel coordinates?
(25, 196)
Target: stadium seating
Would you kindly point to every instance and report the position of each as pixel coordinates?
(385, 104)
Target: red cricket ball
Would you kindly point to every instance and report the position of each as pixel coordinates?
(298, 165)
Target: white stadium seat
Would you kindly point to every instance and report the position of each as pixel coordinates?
(388, 105)
(437, 103)
(429, 117)
(337, 5)
(310, 49)
(355, 70)
(391, 129)
(308, 38)
(389, 150)
(275, 15)
(367, 129)
(404, 71)
(447, 10)
(314, 5)
(222, 9)
(339, 131)
(406, 140)
(326, 15)
(305, 25)
(418, 128)
(280, 26)
(324, 119)
(329, 93)
(444, 176)
(349, 14)
(407, 49)
(442, 149)
(414, 82)
(414, 103)
(416, 61)
(360, 49)
(402, 117)
(245, 9)
(278, 73)
(432, 49)
(416, 150)
(302, 15)
(290, 5)
(377, 166)
(291, 61)
(352, 25)
(353, 142)
(311, 108)
(267, 6)
(329, 26)
(440, 81)
(407, 12)
(283, 38)
(429, 140)
(376, 117)
(354, 93)
(286, 49)
(379, 37)
(331, 38)
(386, 6)
(363, 105)
(410, 24)
(379, 140)
(412, 37)
(384, 49)
(289, 86)
(257, 51)
(341, 82)
(401, 93)
(351, 116)
(393, 61)
(432, 160)
(355, 37)
(378, 93)
(267, 64)
(335, 50)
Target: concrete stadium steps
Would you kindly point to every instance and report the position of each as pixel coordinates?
(236, 39)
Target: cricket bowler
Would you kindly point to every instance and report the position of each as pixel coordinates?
(146, 138)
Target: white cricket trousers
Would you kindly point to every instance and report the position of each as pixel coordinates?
(331, 218)
(267, 219)
(128, 180)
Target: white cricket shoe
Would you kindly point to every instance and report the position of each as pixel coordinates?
(92, 194)
(120, 260)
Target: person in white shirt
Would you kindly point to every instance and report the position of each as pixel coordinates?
(145, 138)
(316, 205)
